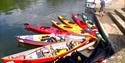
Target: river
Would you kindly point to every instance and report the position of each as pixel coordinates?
(14, 13)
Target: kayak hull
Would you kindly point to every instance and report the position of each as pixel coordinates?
(45, 39)
(92, 25)
(82, 24)
(32, 56)
(68, 22)
(44, 29)
(37, 43)
(65, 27)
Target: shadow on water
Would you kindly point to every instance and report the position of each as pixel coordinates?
(7, 5)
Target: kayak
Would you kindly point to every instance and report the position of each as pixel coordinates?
(66, 27)
(92, 25)
(68, 22)
(45, 53)
(45, 39)
(70, 29)
(44, 29)
(89, 22)
(82, 24)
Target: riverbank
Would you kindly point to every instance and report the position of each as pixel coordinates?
(113, 31)
(115, 38)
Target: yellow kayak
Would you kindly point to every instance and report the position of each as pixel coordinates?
(66, 27)
(68, 22)
(70, 29)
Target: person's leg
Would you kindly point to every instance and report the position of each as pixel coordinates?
(101, 11)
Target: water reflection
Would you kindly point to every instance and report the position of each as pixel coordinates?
(7, 5)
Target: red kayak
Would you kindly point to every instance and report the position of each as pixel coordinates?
(82, 24)
(45, 53)
(44, 29)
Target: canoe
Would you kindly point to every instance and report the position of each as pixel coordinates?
(46, 53)
(82, 24)
(68, 22)
(44, 29)
(70, 29)
(45, 39)
(92, 25)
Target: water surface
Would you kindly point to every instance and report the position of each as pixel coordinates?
(14, 13)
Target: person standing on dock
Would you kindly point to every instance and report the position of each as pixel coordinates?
(101, 10)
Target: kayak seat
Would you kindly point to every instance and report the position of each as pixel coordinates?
(90, 22)
(52, 39)
(58, 30)
(67, 27)
(44, 38)
(71, 22)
